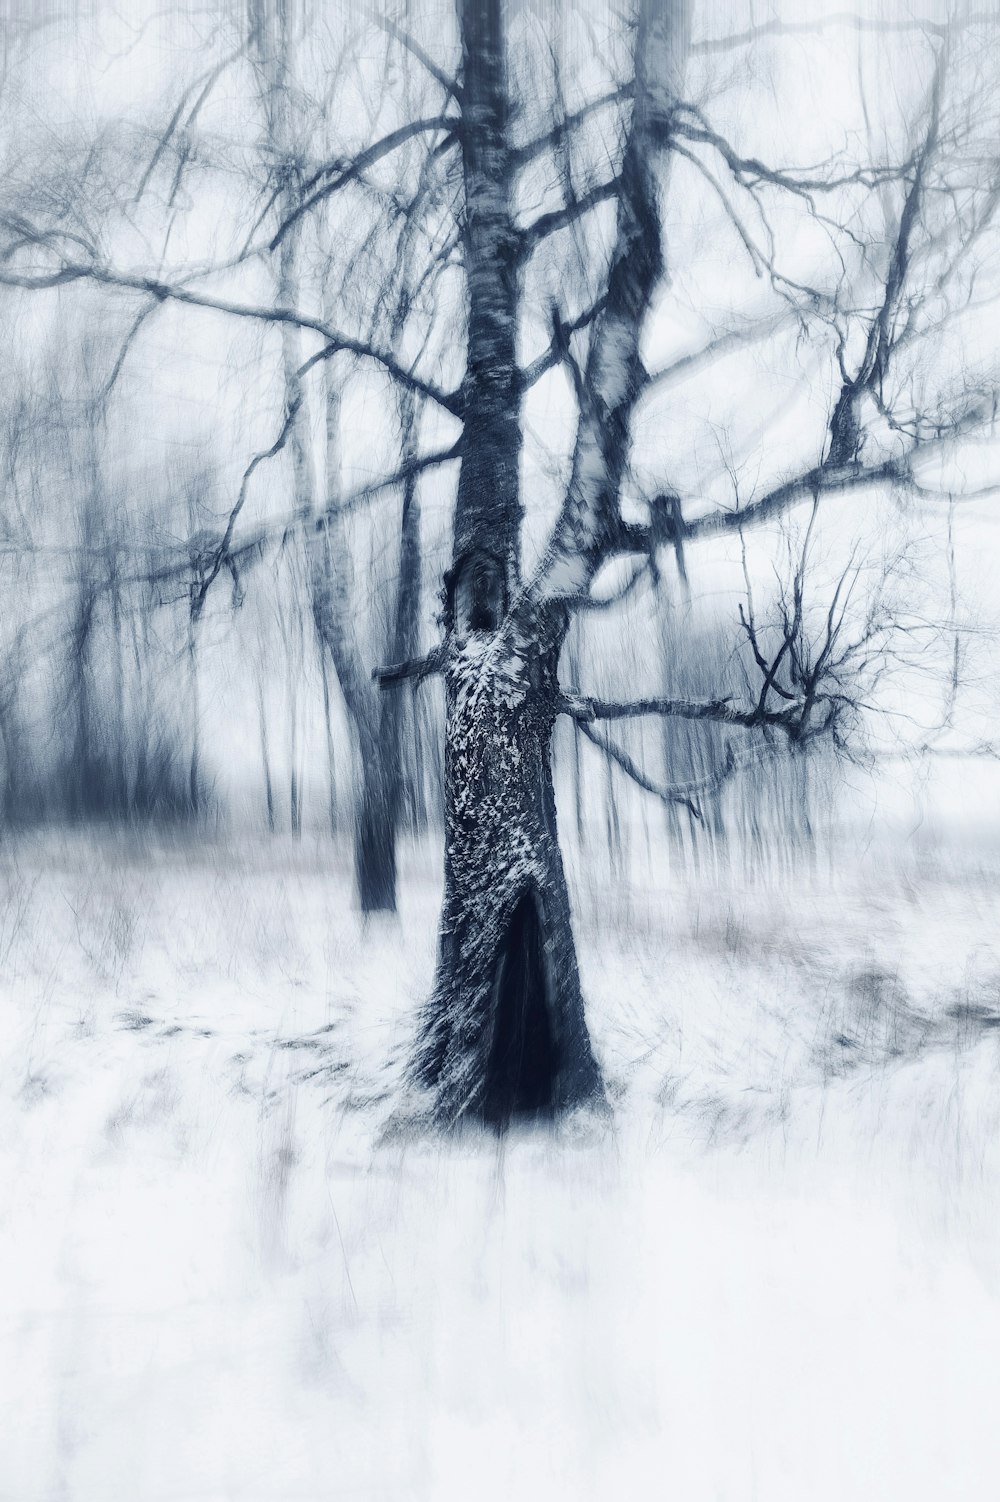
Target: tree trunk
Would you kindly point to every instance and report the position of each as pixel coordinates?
(375, 737)
(294, 782)
(375, 827)
(265, 754)
(331, 755)
(397, 712)
(488, 504)
(194, 773)
(504, 1035)
(86, 798)
(380, 724)
(119, 753)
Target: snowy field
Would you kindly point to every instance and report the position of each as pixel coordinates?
(228, 1271)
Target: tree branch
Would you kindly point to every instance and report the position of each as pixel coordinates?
(845, 429)
(284, 526)
(406, 471)
(351, 171)
(590, 516)
(722, 711)
(751, 172)
(683, 793)
(337, 342)
(221, 553)
(522, 155)
(556, 351)
(686, 365)
(548, 224)
(448, 84)
(849, 19)
(825, 479)
(417, 669)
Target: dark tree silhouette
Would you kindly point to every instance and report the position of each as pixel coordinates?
(438, 229)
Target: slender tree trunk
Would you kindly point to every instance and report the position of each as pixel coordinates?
(380, 725)
(377, 800)
(380, 743)
(265, 753)
(194, 772)
(83, 748)
(139, 623)
(120, 752)
(331, 759)
(294, 782)
(376, 726)
(375, 827)
(394, 710)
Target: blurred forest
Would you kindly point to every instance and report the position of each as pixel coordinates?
(499, 779)
(182, 642)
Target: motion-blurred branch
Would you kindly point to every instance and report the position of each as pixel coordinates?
(584, 710)
(336, 342)
(342, 173)
(685, 793)
(414, 671)
(850, 20)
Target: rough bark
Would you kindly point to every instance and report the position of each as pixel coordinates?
(504, 1035)
(488, 502)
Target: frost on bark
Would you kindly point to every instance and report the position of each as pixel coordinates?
(504, 1035)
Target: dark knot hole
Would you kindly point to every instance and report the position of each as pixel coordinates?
(521, 1066)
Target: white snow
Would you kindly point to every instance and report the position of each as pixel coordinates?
(774, 1277)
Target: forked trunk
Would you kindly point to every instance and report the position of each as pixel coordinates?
(504, 1035)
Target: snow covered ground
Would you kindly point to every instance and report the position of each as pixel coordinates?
(224, 1274)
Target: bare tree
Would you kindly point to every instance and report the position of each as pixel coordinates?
(550, 229)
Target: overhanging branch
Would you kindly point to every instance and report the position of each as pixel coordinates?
(825, 479)
(343, 173)
(398, 34)
(722, 711)
(684, 793)
(160, 291)
(414, 671)
(522, 155)
(751, 172)
(559, 345)
(220, 555)
(548, 224)
(849, 19)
